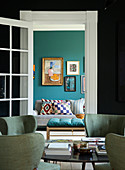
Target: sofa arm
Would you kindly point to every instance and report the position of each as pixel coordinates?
(35, 112)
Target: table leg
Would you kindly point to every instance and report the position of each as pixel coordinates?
(48, 133)
(83, 165)
(46, 161)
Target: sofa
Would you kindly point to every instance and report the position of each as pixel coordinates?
(76, 107)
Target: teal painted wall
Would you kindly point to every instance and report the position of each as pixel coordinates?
(67, 44)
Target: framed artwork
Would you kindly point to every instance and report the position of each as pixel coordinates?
(52, 71)
(70, 83)
(34, 71)
(82, 84)
(72, 67)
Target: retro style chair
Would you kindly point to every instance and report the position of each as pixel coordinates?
(23, 152)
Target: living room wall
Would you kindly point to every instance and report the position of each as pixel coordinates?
(67, 44)
(107, 41)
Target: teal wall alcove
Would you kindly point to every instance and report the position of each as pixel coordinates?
(67, 44)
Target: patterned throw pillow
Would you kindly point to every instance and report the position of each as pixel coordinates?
(52, 101)
(62, 108)
(46, 108)
(77, 106)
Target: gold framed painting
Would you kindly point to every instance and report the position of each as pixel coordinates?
(52, 71)
(72, 67)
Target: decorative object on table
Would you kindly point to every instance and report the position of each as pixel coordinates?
(81, 147)
(52, 71)
(76, 145)
(70, 83)
(34, 71)
(72, 67)
(82, 84)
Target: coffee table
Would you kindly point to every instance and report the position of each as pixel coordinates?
(77, 157)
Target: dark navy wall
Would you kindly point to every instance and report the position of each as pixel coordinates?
(66, 44)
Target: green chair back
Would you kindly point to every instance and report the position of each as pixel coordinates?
(21, 152)
(115, 146)
(99, 125)
(17, 125)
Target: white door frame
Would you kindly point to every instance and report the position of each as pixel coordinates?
(75, 20)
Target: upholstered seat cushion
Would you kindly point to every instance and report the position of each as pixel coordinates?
(103, 166)
(48, 166)
(65, 122)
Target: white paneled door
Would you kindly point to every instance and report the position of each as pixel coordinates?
(16, 65)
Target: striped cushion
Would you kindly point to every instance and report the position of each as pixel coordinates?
(77, 106)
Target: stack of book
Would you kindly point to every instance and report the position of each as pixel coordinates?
(100, 150)
(58, 149)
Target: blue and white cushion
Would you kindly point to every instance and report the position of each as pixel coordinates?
(62, 108)
(77, 106)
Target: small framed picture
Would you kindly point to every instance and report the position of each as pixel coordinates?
(82, 84)
(72, 67)
(70, 83)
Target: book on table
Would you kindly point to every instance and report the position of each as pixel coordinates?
(58, 149)
(101, 150)
(93, 139)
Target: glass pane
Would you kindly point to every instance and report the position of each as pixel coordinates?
(20, 63)
(4, 61)
(4, 108)
(19, 108)
(4, 36)
(19, 38)
(4, 87)
(19, 87)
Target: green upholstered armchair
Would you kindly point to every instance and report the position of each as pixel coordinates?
(23, 152)
(99, 125)
(17, 125)
(115, 146)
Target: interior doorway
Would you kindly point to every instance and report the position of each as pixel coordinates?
(50, 20)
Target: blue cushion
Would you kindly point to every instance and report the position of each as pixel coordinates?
(78, 122)
(65, 122)
(53, 122)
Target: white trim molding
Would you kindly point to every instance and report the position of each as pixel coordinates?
(73, 20)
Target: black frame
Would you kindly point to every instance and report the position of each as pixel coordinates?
(69, 88)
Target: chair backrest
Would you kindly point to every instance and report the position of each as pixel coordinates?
(21, 152)
(99, 125)
(17, 125)
(115, 146)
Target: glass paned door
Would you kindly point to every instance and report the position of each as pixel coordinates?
(15, 67)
